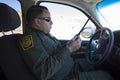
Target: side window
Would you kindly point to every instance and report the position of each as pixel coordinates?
(15, 4)
(67, 20)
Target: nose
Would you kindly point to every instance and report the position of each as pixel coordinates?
(51, 22)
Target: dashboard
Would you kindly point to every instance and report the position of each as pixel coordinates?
(116, 48)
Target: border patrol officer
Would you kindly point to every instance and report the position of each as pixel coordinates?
(45, 56)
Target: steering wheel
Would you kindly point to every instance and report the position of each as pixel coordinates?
(100, 46)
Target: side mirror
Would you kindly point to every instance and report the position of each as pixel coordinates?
(88, 32)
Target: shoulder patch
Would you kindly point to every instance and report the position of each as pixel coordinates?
(26, 42)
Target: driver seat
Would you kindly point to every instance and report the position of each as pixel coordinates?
(11, 64)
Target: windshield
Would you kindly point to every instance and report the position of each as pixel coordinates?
(109, 14)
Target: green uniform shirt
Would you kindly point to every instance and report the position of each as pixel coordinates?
(45, 56)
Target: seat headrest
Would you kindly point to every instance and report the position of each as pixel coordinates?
(9, 18)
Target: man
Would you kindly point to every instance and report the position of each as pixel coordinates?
(45, 56)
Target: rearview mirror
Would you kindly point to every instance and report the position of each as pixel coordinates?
(88, 32)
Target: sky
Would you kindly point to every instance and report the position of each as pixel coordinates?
(13, 3)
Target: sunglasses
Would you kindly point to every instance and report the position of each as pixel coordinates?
(48, 19)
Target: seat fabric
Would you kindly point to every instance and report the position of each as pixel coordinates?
(10, 60)
(11, 64)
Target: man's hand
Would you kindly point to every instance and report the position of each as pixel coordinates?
(74, 44)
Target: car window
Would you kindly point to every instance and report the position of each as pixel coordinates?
(67, 20)
(109, 14)
(15, 5)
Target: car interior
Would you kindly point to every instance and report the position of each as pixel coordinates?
(10, 59)
(12, 66)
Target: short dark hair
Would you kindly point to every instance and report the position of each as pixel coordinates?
(34, 11)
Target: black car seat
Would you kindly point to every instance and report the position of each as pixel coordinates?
(11, 63)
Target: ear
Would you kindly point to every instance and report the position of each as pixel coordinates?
(37, 21)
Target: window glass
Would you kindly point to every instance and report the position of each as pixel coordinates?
(16, 5)
(110, 14)
(67, 20)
